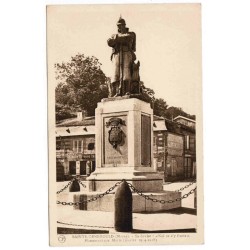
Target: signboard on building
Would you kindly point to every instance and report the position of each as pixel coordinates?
(88, 156)
(60, 153)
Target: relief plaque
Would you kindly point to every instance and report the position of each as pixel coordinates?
(115, 148)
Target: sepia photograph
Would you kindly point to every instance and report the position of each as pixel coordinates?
(125, 124)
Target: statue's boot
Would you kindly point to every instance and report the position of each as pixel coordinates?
(118, 91)
(127, 87)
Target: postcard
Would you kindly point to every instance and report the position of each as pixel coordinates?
(125, 124)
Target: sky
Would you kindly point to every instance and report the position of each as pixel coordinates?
(168, 44)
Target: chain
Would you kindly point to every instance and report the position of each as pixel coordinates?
(70, 182)
(147, 197)
(188, 185)
(79, 225)
(91, 199)
(81, 183)
(65, 187)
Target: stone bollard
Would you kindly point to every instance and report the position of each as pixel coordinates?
(75, 186)
(195, 198)
(123, 208)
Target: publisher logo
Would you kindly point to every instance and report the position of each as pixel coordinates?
(61, 238)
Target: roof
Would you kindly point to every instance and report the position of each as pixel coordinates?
(74, 127)
(87, 121)
(171, 126)
(185, 118)
(156, 118)
(159, 125)
(75, 130)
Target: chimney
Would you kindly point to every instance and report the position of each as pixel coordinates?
(81, 115)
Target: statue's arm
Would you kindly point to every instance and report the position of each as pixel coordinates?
(134, 41)
(112, 41)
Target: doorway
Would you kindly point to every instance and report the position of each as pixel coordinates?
(72, 168)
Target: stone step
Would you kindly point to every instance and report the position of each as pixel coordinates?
(140, 204)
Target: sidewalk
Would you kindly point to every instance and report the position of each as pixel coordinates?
(177, 220)
(103, 222)
(188, 202)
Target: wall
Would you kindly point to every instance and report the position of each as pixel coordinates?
(75, 153)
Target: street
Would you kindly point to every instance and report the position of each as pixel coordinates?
(80, 221)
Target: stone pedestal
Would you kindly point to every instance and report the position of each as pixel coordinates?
(124, 150)
(132, 157)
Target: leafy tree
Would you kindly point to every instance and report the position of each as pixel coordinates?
(160, 107)
(148, 94)
(81, 84)
(147, 91)
(64, 112)
(173, 112)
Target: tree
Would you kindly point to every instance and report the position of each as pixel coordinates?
(173, 112)
(160, 107)
(64, 112)
(81, 84)
(147, 91)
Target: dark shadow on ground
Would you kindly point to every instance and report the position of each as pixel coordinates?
(179, 210)
(187, 230)
(179, 181)
(62, 230)
(183, 210)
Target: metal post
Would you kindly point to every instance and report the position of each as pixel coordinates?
(123, 208)
(195, 198)
(75, 186)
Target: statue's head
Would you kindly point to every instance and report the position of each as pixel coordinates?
(121, 24)
(121, 21)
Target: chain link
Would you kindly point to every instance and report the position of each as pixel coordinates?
(188, 185)
(147, 197)
(70, 182)
(81, 183)
(91, 199)
(65, 187)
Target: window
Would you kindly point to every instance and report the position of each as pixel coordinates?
(58, 145)
(154, 140)
(72, 167)
(78, 146)
(82, 167)
(187, 142)
(188, 167)
(192, 143)
(91, 146)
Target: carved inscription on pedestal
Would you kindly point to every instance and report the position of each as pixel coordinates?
(115, 147)
(145, 140)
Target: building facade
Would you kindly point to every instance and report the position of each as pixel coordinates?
(174, 149)
(173, 146)
(75, 148)
(188, 130)
(185, 121)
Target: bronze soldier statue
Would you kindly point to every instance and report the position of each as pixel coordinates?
(125, 70)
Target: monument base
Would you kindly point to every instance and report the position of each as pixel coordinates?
(140, 204)
(145, 182)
